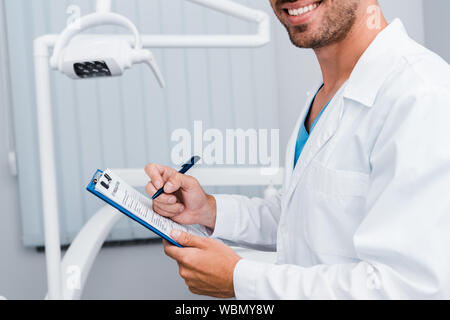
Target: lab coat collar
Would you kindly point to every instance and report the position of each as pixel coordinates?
(375, 65)
(319, 137)
(290, 151)
(366, 80)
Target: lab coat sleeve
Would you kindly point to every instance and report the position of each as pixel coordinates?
(247, 221)
(402, 244)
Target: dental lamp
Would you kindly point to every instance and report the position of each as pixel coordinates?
(91, 57)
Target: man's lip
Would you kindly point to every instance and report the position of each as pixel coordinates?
(298, 4)
(303, 18)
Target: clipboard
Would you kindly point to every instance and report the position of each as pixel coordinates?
(91, 188)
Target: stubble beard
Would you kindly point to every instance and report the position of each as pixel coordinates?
(336, 26)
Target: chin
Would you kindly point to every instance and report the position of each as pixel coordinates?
(302, 37)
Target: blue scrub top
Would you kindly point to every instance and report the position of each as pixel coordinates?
(303, 134)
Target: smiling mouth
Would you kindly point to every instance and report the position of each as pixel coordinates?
(298, 12)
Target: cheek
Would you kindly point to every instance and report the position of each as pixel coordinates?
(277, 12)
(320, 21)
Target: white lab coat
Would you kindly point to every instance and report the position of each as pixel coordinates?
(366, 212)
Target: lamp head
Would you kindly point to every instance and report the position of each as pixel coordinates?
(104, 56)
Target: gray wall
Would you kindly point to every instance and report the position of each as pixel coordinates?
(22, 271)
(126, 272)
(437, 27)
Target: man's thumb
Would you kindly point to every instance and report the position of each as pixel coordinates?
(183, 181)
(186, 239)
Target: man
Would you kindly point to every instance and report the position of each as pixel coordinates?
(365, 209)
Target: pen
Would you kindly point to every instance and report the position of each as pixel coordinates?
(184, 168)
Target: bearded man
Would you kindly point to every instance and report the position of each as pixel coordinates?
(364, 212)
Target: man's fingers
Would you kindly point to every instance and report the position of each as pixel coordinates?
(163, 213)
(174, 252)
(158, 174)
(169, 178)
(187, 239)
(155, 172)
(163, 198)
(172, 209)
(177, 181)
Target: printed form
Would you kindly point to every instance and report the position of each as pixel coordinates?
(113, 187)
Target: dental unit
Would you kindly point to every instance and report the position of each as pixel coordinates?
(87, 56)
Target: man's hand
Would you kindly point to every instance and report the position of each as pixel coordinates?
(184, 200)
(206, 265)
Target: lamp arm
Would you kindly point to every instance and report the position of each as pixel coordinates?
(146, 56)
(90, 21)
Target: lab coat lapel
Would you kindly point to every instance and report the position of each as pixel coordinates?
(290, 151)
(325, 129)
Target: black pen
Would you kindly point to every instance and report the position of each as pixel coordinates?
(184, 168)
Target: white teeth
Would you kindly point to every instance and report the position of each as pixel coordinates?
(300, 11)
